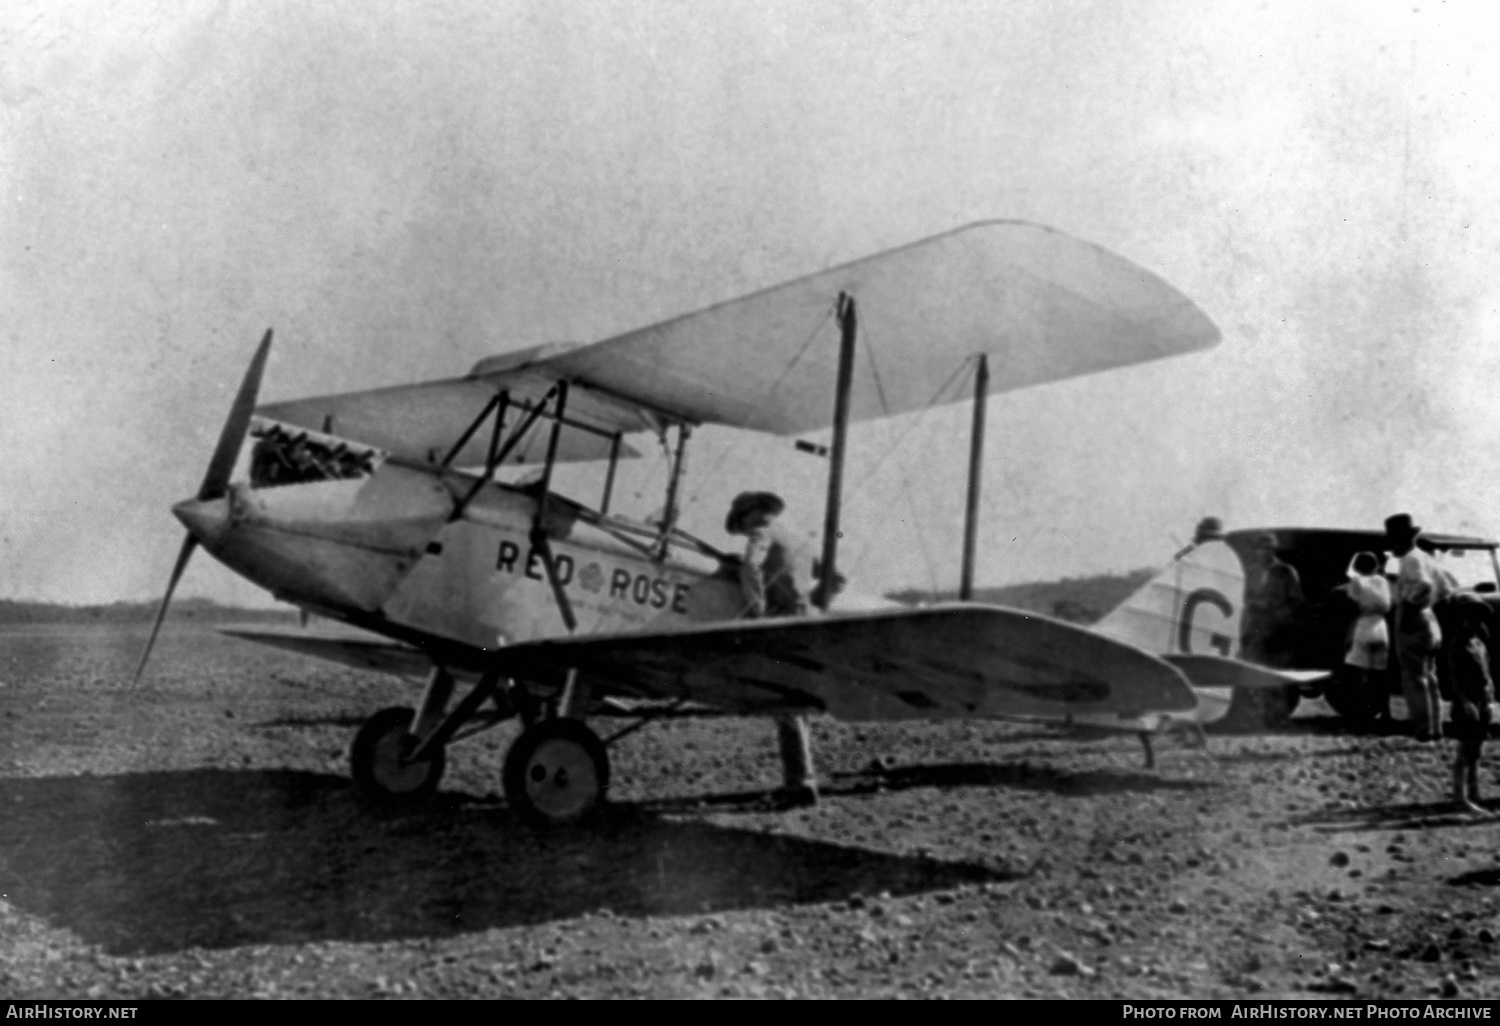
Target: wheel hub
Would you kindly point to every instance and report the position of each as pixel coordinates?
(560, 779)
(391, 766)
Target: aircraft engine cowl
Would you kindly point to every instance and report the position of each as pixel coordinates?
(337, 544)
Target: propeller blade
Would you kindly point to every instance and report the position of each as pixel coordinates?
(184, 554)
(216, 481)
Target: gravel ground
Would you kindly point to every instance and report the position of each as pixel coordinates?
(199, 837)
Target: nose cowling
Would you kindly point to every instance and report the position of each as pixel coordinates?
(206, 519)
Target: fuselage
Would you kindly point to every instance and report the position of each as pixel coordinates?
(384, 551)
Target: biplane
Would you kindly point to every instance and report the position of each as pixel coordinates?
(385, 509)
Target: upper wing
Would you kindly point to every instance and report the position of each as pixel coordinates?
(1042, 305)
(422, 422)
(944, 661)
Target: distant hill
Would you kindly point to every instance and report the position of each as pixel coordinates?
(1080, 600)
(189, 609)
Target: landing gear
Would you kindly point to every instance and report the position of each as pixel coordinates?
(1253, 709)
(1358, 701)
(380, 763)
(556, 773)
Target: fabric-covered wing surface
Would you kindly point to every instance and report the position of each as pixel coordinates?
(422, 422)
(949, 661)
(1043, 305)
(361, 653)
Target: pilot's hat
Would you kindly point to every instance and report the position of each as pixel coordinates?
(746, 503)
(1399, 527)
(1209, 528)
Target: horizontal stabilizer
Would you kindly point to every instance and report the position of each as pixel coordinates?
(1206, 671)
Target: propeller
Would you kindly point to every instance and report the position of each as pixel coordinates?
(216, 481)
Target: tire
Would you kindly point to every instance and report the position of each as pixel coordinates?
(1354, 700)
(377, 761)
(556, 774)
(1252, 709)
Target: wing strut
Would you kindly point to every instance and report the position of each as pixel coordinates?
(609, 478)
(976, 472)
(669, 518)
(539, 540)
(848, 324)
(496, 457)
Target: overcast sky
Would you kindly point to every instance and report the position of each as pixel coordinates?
(401, 189)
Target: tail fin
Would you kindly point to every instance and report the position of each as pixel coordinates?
(1193, 607)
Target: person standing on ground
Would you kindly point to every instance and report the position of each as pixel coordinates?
(1418, 639)
(1274, 607)
(1473, 690)
(772, 585)
(1370, 640)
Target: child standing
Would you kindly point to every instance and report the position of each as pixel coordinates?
(1469, 674)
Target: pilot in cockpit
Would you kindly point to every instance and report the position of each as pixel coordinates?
(768, 574)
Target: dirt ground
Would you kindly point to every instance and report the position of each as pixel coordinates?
(200, 837)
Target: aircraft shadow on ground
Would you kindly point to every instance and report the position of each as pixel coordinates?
(1293, 756)
(1023, 775)
(156, 862)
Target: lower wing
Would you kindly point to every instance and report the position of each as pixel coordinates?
(954, 661)
(361, 653)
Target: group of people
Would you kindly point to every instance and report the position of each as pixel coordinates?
(1402, 615)
(1420, 615)
(1422, 592)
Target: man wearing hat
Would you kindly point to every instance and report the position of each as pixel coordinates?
(1420, 584)
(772, 584)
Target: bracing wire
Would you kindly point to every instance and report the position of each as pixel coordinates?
(879, 462)
(890, 450)
(905, 484)
(736, 444)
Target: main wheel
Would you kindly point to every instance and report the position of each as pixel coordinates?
(378, 759)
(556, 773)
(1352, 698)
(1252, 709)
